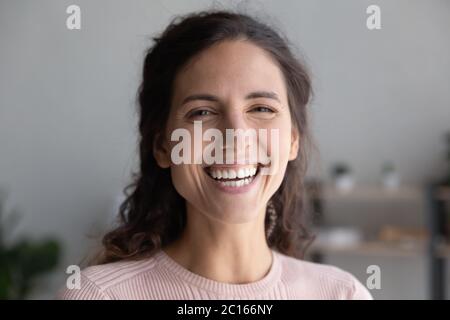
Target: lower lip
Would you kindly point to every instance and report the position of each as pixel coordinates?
(236, 190)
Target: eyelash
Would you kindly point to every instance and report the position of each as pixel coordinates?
(263, 107)
(198, 112)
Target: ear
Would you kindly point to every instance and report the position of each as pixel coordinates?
(160, 152)
(295, 140)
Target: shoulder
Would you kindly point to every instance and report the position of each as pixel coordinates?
(321, 281)
(98, 282)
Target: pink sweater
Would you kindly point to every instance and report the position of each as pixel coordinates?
(160, 277)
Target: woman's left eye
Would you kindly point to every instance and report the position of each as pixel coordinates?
(201, 113)
(262, 109)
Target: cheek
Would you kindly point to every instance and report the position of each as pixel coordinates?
(186, 141)
(181, 178)
(285, 144)
(278, 146)
(187, 180)
(278, 150)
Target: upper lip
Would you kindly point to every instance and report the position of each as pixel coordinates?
(231, 166)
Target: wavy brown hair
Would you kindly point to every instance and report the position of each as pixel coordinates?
(153, 213)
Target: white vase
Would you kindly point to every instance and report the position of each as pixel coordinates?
(344, 182)
(391, 180)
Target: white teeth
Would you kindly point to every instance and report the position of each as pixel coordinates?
(233, 174)
(224, 174)
(237, 183)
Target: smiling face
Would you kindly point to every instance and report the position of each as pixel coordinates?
(231, 85)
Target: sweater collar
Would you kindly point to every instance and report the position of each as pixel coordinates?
(250, 289)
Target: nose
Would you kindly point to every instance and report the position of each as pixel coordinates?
(234, 119)
(239, 139)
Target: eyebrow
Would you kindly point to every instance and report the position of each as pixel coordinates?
(263, 94)
(251, 95)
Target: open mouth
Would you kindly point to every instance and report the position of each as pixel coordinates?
(233, 176)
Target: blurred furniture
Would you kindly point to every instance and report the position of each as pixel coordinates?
(385, 234)
(438, 197)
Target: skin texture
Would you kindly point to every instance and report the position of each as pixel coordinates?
(224, 239)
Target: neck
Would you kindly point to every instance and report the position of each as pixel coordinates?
(230, 253)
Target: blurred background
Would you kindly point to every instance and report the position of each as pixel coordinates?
(379, 189)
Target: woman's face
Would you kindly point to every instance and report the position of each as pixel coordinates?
(231, 85)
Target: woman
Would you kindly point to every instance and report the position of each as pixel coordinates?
(220, 230)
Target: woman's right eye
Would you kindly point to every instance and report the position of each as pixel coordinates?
(199, 113)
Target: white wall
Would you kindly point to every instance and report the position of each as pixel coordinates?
(67, 123)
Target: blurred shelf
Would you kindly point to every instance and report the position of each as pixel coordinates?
(375, 248)
(374, 193)
(443, 193)
(443, 250)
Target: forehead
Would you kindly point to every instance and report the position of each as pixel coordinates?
(229, 68)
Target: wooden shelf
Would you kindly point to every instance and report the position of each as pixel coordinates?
(434, 201)
(376, 248)
(373, 193)
(443, 250)
(443, 193)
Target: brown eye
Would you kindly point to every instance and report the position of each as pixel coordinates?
(202, 113)
(199, 113)
(262, 109)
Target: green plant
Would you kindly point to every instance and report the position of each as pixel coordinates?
(24, 261)
(339, 169)
(388, 167)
